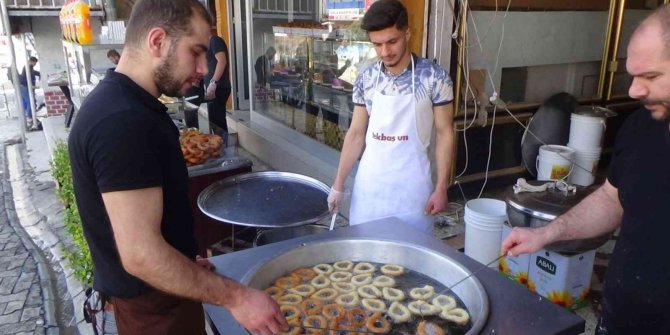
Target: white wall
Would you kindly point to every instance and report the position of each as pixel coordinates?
(534, 39)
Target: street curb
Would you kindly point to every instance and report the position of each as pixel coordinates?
(46, 279)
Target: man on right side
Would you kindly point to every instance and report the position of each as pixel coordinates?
(635, 197)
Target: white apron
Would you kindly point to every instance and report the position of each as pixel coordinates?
(393, 177)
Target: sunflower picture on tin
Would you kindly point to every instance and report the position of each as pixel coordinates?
(561, 298)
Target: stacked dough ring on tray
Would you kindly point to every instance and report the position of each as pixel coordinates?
(198, 147)
(361, 298)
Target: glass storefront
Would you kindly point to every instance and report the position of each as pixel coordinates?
(305, 62)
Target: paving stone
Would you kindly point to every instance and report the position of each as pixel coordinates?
(25, 281)
(10, 318)
(7, 284)
(20, 296)
(2, 308)
(39, 331)
(13, 328)
(31, 313)
(13, 306)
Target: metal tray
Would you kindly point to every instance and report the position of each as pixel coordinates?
(266, 199)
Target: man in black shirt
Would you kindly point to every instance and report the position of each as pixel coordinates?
(218, 85)
(130, 183)
(635, 197)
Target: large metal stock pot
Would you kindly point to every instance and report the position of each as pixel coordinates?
(430, 263)
(536, 210)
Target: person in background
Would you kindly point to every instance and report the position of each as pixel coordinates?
(263, 66)
(23, 83)
(397, 102)
(634, 198)
(131, 184)
(217, 85)
(113, 56)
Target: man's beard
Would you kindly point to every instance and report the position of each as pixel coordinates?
(665, 117)
(165, 81)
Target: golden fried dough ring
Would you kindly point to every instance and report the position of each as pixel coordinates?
(422, 293)
(304, 290)
(458, 316)
(383, 281)
(320, 281)
(444, 302)
(274, 291)
(289, 299)
(287, 281)
(204, 145)
(398, 312)
(369, 292)
(374, 305)
(325, 294)
(428, 328)
(357, 317)
(290, 312)
(393, 294)
(343, 265)
(315, 321)
(364, 268)
(323, 269)
(348, 299)
(361, 279)
(420, 307)
(378, 324)
(311, 306)
(293, 329)
(344, 287)
(340, 276)
(392, 270)
(333, 312)
(304, 273)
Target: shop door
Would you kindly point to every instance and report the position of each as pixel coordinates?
(239, 51)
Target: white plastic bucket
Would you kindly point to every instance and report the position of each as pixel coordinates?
(586, 131)
(484, 219)
(554, 162)
(586, 164)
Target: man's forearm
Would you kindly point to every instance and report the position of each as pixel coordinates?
(444, 152)
(166, 269)
(351, 150)
(597, 214)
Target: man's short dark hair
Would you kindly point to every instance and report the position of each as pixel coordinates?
(113, 53)
(662, 16)
(33, 59)
(385, 14)
(173, 16)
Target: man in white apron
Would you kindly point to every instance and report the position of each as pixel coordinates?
(397, 102)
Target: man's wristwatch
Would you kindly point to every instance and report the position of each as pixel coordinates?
(213, 82)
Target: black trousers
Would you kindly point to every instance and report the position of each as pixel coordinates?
(216, 110)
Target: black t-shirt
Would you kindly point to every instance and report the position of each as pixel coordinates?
(637, 285)
(123, 139)
(216, 45)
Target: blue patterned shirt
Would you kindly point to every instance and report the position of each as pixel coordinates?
(432, 82)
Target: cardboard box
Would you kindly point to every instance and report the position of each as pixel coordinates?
(515, 268)
(563, 279)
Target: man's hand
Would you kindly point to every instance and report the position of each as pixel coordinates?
(436, 203)
(258, 313)
(523, 241)
(211, 91)
(335, 199)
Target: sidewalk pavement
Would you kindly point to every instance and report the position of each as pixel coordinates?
(34, 280)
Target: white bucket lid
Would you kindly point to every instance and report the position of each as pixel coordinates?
(556, 150)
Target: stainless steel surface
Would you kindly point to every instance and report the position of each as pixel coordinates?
(512, 308)
(266, 199)
(282, 234)
(534, 210)
(217, 165)
(415, 257)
